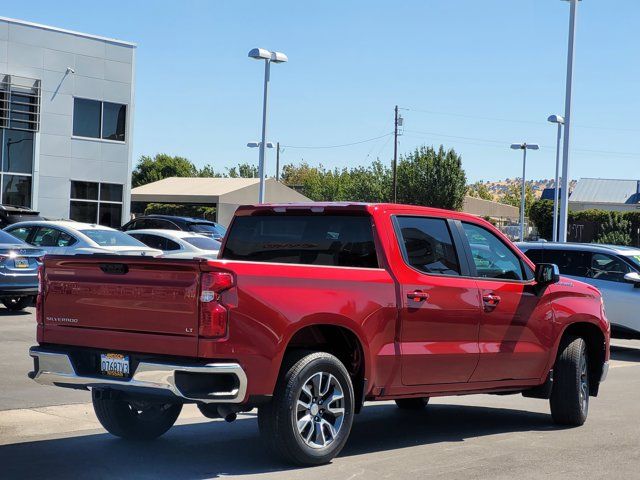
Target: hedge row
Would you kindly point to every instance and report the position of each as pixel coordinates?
(196, 211)
(626, 224)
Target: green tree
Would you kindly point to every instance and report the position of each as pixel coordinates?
(243, 170)
(480, 190)
(432, 178)
(208, 171)
(152, 169)
(616, 230)
(514, 194)
(541, 214)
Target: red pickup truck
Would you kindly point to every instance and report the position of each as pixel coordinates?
(310, 311)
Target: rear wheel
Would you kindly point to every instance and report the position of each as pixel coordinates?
(134, 420)
(17, 303)
(412, 403)
(309, 418)
(570, 392)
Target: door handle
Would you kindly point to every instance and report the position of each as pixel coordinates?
(491, 301)
(418, 296)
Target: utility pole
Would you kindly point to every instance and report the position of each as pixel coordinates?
(277, 161)
(395, 156)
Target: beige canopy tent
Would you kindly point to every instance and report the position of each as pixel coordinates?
(226, 194)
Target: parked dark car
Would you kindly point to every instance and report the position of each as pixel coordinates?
(10, 214)
(19, 264)
(169, 222)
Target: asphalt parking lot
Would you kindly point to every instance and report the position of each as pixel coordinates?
(48, 432)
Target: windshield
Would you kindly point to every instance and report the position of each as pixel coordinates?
(208, 228)
(7, 238)
(112, 238)
(203, 243)
(635, 259)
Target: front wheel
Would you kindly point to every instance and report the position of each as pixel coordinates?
(17, 303)
(309, 418)
(570, 392)
(134, 420)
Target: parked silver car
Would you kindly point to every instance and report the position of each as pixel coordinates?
(614, 270)
(73, 238)
(19, 264)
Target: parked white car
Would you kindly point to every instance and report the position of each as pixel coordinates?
(74, 238)
(614, 270)
(178, 243)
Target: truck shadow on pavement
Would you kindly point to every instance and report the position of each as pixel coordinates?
(625, 354)
(213, 449)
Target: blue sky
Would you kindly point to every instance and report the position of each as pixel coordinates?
(475, 75)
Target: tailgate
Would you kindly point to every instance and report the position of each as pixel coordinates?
(132, 302)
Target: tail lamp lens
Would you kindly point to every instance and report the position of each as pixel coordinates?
(39, 315)
(213, 314)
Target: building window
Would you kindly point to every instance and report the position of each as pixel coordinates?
(93, 202)
(19, 103)
(96, 119)
(17, 166)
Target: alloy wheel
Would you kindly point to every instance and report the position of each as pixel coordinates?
(320, 409)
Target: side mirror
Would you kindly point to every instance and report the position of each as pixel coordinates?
(547, 273)
(633, 277)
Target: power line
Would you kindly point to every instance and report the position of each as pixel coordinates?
(504, 142)
(338, 146)
(512, 120)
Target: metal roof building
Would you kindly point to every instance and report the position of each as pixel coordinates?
(605, 194)
(226, 194)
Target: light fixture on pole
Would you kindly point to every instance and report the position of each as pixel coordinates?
(257, 144)
(268, 57)
(524, 147)
(564, 188)
(556, 188)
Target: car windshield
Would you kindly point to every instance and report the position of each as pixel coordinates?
(207, 228)
(203, 243)
(112, 238)
(8, 239)
(635, 259)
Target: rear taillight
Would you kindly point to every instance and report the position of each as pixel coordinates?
(213, 314)
(39, 297)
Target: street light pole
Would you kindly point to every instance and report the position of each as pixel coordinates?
(564, 189)
(556, 188)
(268, 57)
(524, 147)
(267, 72)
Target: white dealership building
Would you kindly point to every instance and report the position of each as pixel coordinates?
(66, 112)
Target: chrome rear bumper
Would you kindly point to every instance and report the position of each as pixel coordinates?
(55, 368)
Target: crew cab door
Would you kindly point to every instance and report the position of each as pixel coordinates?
(517, 318)
(439, 308)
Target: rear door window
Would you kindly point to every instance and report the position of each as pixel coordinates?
(535, 255)
(46, 237)
(334, 240)
(570, 262)
(427, 245)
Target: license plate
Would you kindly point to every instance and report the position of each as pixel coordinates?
(21, 263)
(114, 365)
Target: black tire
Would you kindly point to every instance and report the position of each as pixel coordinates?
(570, 392)
(412, 403)
(144, 421)
(279, 419)
(17, 303)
